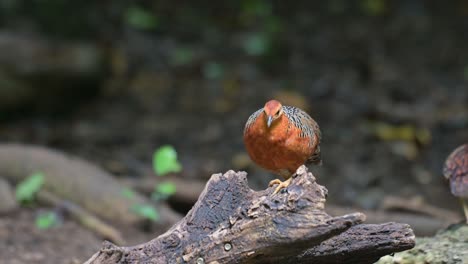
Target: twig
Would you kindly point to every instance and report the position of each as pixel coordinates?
(82, 216)
(417, 205)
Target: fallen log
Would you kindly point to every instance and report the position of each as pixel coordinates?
(78, 181)
(231, 223)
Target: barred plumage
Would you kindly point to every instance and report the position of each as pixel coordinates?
(252, 118)
(282, 138)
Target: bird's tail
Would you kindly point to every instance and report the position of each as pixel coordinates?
(316, 158)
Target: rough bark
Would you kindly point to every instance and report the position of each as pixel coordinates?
(424, 222)
(230, 223)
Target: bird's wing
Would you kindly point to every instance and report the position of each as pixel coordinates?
(252, 119)
(309, 128)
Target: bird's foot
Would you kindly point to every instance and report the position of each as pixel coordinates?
(274, 182)
(281, 185)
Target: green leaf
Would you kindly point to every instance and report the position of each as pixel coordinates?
(146, 211)
(181, 56)
(140, 18)
(165, 161)
(163, 190)
(166, 188)
(257, 44)
(26, 189)
(128, 193)
(213, 70)
(46, 220)
(256, 8)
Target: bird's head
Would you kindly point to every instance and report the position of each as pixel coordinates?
(273, 110)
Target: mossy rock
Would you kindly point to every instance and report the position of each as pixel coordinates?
(449, 246)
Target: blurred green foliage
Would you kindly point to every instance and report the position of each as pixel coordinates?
(46, 220)
(181, 56)
(27, 189)
(373, 7)
(212, 70)
(146, 211)
(257, 44)
(140, 18)
(254, 8)
(163, 191)
(406, 132)
(128, 193)
(165, 161)
(166, 188)
(259, 15)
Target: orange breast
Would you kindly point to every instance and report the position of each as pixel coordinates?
(279, 148)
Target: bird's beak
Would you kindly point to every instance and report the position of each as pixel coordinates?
(269, 120)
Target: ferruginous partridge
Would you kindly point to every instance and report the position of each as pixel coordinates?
(281, 139)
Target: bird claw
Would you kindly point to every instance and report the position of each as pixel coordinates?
(274, 182)
(281, 185)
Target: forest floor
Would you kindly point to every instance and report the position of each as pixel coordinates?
(389, 93)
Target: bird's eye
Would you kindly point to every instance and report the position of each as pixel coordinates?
(277, 113)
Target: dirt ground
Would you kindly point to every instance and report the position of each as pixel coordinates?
(364, 78)
(21, 242)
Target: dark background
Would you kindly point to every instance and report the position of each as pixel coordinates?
(111, 81)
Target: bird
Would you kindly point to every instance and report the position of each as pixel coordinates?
(456, 171)
(282, 138)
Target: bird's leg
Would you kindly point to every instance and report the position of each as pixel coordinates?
(281, 184)
(465, 208)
